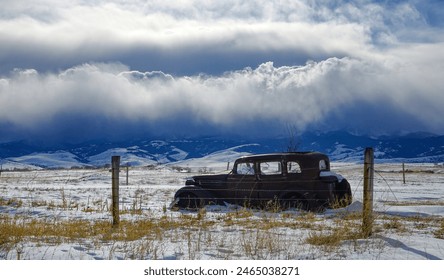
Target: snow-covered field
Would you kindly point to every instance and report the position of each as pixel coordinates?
(409, 218)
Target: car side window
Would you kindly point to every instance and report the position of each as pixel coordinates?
(322, 165)
(270, 168)
(293, 167)
(245, 168)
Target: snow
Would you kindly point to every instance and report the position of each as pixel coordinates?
(408, 217)
(58, 159)
(214, 161)
(178, 154)
(127, 157)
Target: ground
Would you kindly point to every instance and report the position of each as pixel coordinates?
(66, 214)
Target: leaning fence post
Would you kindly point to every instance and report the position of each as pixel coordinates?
(367, 217)
(115, 163)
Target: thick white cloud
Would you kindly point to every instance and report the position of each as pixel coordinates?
(94, 66)
(335, 93)
(48, 34)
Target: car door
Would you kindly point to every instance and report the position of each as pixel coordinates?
(270, 180)
(242, 183)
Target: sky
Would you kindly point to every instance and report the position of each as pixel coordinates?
(83, 70)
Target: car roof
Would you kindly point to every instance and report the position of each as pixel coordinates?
(301, 156)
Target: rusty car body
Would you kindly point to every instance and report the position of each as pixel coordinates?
(300, 180)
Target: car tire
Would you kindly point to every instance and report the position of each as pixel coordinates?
(343, 194)
(295, 201)
(317, 205)
(189, 201)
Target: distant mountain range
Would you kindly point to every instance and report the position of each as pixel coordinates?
(339, 146)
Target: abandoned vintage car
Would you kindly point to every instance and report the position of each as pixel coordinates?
(300, 180)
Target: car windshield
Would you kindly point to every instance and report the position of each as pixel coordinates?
(245, 168)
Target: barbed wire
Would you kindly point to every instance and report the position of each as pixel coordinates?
(44, 174)
(387, 184)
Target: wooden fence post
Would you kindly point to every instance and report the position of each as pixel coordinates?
(115, 163)
(127, 172)
(367, 214)
(403, 173)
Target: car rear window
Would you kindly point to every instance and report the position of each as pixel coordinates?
(293, 167)
(323, 165)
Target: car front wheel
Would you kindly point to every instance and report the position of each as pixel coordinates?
(189, 201)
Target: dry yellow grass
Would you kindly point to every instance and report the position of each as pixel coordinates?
(260, 231)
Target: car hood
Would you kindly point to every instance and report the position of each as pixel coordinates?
(200, 179)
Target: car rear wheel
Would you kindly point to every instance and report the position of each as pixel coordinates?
(343, 194)
(295, 201)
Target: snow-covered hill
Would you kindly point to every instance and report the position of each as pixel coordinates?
(340, 146)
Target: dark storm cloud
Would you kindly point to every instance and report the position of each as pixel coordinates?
(110, 69)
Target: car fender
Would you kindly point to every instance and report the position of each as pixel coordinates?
(329, 175)
(204, 195)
